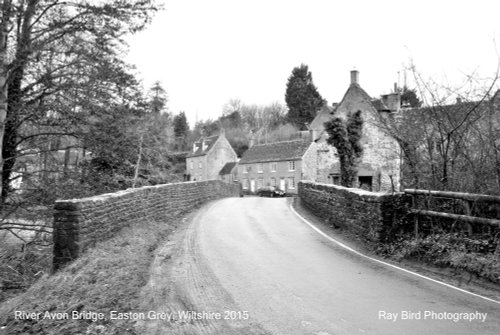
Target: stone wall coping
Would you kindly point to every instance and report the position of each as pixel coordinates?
(356, 191)
(107, 196)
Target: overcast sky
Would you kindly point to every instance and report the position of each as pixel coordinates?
(207, 52)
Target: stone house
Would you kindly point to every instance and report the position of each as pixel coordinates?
(229, 172)
(208, 156)
(379, 168)
(279, 164)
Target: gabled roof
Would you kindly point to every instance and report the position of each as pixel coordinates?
(278, 151)
(324, 115)
(209, 143)
(355, 88)
(226, 169)
(454, 109)
(379, 105)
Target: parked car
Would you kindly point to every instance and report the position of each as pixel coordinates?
(270, 191)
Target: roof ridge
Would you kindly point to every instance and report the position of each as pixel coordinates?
(205, 137)
(299, 140)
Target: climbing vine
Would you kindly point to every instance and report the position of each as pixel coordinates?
(346, 138)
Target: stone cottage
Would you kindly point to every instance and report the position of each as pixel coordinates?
(229, 172)
(279, 164)
(379, 168)
(208, 156)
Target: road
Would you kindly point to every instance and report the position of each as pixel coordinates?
(256, 262)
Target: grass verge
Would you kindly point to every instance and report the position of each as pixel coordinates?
(109, 277)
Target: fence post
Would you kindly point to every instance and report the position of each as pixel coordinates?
(468, 212)
(415, 215)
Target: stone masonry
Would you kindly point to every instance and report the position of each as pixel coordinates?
(80, 223)
(381, 154)
(372, 216)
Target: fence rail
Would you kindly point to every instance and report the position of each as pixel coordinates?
(455, 195)
(467, 199)
(465, 218)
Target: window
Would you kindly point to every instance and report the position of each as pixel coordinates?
(192, 165)
(335, 179)
(365, 183)
(291, 166)
(200, 165)
(246, 168)
(274, 165)
(273, 182)
(245, 184)
(260, 168)
(291, 183)
(260, 183)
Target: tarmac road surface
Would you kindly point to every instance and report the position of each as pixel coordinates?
(259, 267)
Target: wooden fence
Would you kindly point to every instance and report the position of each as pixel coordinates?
(467, 199)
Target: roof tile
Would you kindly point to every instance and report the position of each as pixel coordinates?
(226, 169)
(209, 141)
(278, 151)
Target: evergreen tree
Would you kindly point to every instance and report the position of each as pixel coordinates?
(409, 98)
(158, 98)
(181, 129)
(302, 97)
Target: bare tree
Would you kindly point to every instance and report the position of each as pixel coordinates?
(440, 141)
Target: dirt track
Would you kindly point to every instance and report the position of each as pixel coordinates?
(182, 281)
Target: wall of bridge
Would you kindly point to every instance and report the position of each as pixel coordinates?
(374, 217)
(80, 223)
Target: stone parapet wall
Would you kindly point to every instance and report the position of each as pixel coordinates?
(80, 223)
(374, 217)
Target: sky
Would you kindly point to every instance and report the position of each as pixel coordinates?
(205, 53)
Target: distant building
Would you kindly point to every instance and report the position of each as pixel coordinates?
(279, 164)
(229, 172)
(379, 168)
(208, 156)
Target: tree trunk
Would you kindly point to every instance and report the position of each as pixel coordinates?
(4, 30)
(20, 61)
(411, 159)
(138, 164)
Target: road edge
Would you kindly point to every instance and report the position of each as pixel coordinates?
(350, 249)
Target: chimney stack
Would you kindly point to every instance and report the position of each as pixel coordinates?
(354, 77)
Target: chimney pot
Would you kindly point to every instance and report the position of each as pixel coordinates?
(354, 77)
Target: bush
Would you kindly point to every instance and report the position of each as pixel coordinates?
(21, 265)
(476, 255)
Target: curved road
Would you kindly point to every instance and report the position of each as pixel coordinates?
(255, 262)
